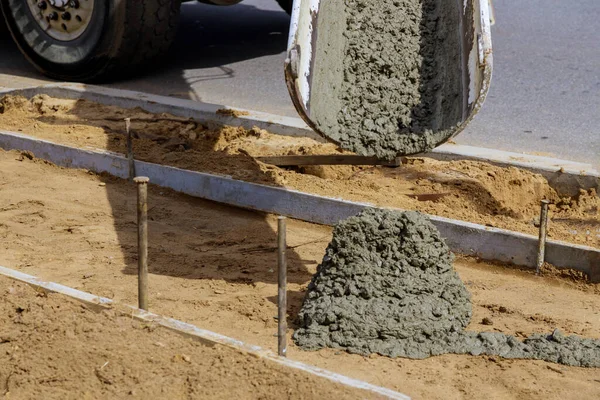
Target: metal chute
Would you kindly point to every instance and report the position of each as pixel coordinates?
(318, 31)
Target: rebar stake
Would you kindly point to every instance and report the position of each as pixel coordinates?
(142, 216)
(130, 149)
(542, 238)
(282, 287)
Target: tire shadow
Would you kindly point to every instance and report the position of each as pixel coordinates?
(188, 237)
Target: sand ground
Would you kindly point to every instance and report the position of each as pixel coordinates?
(215, 266)
(52, 347)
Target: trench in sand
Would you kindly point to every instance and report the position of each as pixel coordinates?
(215, 267)
(471, 191)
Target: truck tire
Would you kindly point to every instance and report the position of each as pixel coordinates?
(286, 5)
(85, 40)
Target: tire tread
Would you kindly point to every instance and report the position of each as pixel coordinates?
(149, 31)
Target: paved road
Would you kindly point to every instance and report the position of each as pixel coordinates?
(545, 96)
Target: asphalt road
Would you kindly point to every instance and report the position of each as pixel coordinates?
(545, 96)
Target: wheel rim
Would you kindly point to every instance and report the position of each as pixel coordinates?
(63, 20)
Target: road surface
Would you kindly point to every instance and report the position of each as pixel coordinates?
(545, 96)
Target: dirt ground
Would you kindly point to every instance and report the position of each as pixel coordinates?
(471, 191)
(215, 266)
(53, 347)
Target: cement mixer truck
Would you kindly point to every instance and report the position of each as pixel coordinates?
(86, 40)
(381, 78)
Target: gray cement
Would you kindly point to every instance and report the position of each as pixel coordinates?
(386, 285)
(391, 84)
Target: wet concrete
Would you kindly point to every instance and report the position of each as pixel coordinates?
(387, 286)
(391, 82)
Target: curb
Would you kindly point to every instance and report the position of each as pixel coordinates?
(203, 335)
(462, 237)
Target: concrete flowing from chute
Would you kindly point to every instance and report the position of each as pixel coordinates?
(387, 74)
(387, 285)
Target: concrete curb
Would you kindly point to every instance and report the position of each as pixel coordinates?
(567, 177)
(203, 335)
(462, 237)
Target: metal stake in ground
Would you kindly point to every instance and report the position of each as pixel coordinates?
(282, 287)
(130, 149)
(543, 233)
(142, 216)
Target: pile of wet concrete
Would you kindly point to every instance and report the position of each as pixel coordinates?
(387, 286)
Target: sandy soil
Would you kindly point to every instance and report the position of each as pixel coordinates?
(215, 266)
(471, 191)
(53, 347)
